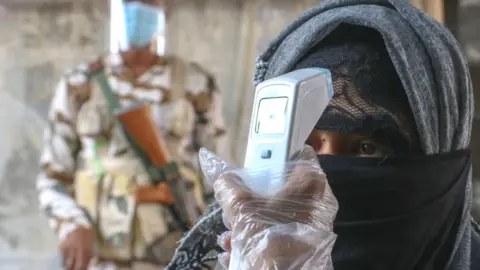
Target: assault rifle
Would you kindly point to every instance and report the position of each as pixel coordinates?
(144, 138)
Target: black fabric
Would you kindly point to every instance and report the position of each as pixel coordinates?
(475, 264)
(397, 213)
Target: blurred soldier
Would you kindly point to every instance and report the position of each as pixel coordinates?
(91, 177)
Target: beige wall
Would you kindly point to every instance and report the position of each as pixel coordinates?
(433, 7)
(37, 44)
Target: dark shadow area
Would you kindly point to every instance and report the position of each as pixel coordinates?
(463, 18)
(475, 143)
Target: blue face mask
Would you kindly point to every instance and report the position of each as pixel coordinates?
(142, 22)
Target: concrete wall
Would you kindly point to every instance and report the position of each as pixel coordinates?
(38, 43)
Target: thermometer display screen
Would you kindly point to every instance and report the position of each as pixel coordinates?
(272, 115)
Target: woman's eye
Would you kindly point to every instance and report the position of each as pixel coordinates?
(368, 148)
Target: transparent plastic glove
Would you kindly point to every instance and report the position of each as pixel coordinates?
(287, 228)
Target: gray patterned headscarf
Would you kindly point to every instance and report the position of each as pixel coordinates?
(431, 67)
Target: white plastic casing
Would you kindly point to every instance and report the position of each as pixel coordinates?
(285, 111)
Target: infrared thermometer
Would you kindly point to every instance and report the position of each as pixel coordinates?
(285, 111)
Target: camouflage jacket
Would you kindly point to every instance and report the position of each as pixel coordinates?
(183, 97)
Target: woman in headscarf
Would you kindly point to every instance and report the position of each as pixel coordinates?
(393, 142)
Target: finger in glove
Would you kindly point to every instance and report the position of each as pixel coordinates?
(224, 241)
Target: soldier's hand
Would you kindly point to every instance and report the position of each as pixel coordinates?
(77, 249)
(158, 194)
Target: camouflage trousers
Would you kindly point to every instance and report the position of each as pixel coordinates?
(167, 248)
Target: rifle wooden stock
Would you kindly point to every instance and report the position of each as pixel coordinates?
(138, 122)
(154, 194)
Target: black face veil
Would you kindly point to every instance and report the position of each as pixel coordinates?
(395, 213)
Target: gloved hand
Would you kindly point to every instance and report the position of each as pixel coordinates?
(291, 229)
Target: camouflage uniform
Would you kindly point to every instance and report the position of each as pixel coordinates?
(83, 138)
